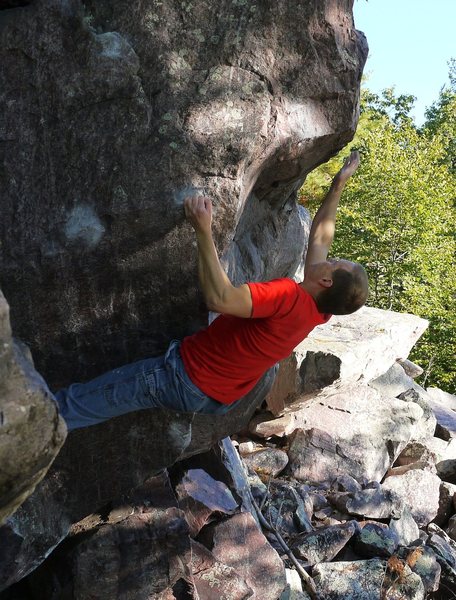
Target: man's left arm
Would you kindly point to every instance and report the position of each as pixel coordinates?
(219, 293)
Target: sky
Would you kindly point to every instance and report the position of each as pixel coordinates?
(410, 44)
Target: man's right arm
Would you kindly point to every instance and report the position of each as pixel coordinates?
(219, 293)
(324, 223)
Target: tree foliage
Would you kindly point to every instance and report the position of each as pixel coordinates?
(397, 217)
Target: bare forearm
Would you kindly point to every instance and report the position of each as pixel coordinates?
(324, 222)
(213, 280)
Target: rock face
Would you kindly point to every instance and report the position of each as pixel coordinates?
(111, 115)
(31, 431)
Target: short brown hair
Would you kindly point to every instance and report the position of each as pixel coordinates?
(348, 292)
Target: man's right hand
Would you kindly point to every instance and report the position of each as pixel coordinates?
(198, 210)
(349, 167)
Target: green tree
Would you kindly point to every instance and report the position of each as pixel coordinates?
(397, 218)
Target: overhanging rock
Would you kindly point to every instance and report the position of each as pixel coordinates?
(348, 349)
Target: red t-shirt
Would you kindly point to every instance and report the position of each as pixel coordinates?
(226, 359)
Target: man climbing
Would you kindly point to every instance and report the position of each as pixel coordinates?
(259, 324)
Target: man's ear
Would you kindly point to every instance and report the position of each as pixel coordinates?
(325, 282)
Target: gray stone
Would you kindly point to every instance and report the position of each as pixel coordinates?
(446, 507)
(375, 540)
(446, 470)
(423, 562)
(363, 434)
(200, 496)
(451, 528)
(377, 503)
(348, 349)
(262, 569)
(31, 431)
(444, 398)
(411, 369)
(213, 579)
(364, 580)
(425, 427)
(420, 492)
(446, 421)
(405, 528)
(393, 382)
(268, 462)
(324, 543)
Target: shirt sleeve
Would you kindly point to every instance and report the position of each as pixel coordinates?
(273, 298)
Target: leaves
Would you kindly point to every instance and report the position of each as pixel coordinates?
(397, 217)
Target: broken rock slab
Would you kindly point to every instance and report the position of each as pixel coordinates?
(31, 430)
(214, 579)
(358, 347)
(324, 543)
(268, 462)
(239, 543)
(420, 492)
(364, 580)
(375, 540)
(200, 496)
(144, 554)
(371, 503)
(363, 434)
(444, 398)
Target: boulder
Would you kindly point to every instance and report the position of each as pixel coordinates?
(393, 382)
(363, 434)
(31, 430)
(138, 109)
(200, 496)
(348, 349)
(375, 503)
(375, 540)
(446, 507)
(239, 543)
(324, 543)
(446, 421)
(137, 557)
(268, 462)
(405, 528)
(423, 562)
(426, 426)
(213, 579)
(365, 580)
(420, 492)
(444, 398)
(410, 368)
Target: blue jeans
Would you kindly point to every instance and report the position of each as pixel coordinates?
(159, 382)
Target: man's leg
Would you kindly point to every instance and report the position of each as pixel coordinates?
(115, 393)
(159, 382)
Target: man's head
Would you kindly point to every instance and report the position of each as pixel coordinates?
(338, 286)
